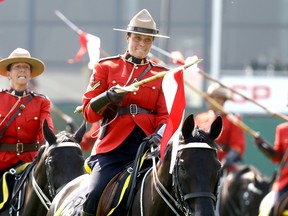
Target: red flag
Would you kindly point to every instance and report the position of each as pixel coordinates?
(173, 88)
(83, 48)
(88, 43)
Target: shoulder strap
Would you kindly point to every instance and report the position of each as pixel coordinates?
(144, 72)
(22, 106)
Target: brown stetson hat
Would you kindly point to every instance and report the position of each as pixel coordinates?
(22, 55)
(217, 90)
(142, 23)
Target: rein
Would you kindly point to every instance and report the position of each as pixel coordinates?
(52, 190)
(41, 195)
(181, 200)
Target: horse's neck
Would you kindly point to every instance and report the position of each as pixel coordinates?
(155, 193)
(38, 181)
(163, 171)
(39, 174)
(32, 204)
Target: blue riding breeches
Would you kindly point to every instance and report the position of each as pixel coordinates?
(106, 166)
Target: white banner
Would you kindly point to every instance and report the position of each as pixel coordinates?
(270, 92)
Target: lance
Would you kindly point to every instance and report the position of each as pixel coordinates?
(68, 22)
(237, 122)
(149, 79)
(161, 51)
(177, 61)
(75, 28)
(283, 117)
(231, 117)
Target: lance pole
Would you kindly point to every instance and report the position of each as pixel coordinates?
(149, 79)
(76, 29)
(161, 51)
(68, 22)
(162, 74)
(231, 117)
(283, 117)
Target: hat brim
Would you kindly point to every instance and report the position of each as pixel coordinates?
(136, 32)
(37, 65)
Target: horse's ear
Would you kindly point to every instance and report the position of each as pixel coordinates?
(188, 126)
(48, 133)
(80, 132)
(216, 127)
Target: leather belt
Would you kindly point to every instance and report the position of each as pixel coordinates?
(133, 109)
(19, 147)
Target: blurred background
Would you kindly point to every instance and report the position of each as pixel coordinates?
(243, 44)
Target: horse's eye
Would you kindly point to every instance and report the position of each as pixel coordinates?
(182, 171)
(181, 167)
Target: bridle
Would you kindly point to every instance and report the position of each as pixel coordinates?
(179, 194)
(48, 164)
(179, 204)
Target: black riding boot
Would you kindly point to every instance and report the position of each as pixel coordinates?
(86, 214)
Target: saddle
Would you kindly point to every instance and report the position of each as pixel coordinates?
(121, 188)
(113, 193)
(13, 180)
(117, 196)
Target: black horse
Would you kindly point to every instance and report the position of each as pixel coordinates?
(57, 162)
(242, 191)
(190, 189)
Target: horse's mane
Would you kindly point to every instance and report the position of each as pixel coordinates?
(40, 152)
(198, 135)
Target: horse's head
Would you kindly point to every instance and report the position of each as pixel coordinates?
(243, 190)
(197, 168)
(61, 159)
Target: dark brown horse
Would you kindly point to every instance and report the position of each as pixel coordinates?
(189, 190)
(242, 191)
(57, 162)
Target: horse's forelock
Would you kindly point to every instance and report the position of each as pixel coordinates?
(199, 135)
(64, 136)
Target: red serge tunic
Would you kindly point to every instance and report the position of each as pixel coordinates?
(231, 138)
(90, 137)
(281, 145)
(117, 70)
(26, 128)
